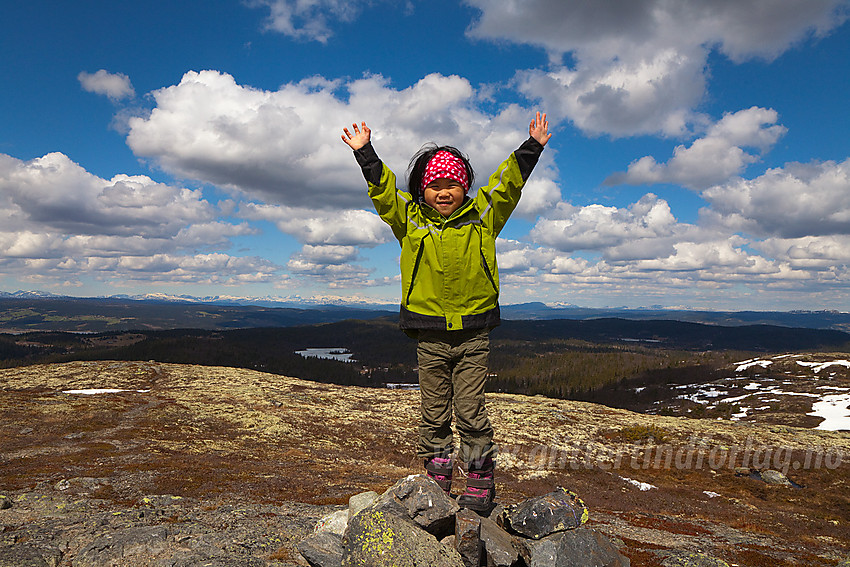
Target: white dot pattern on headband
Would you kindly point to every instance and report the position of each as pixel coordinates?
(445, 165)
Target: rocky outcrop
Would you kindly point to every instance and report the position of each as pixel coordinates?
(124, 546)
(51, 528)
(577, 548)
(378, 538)
(554, 512)
(399, 528)
(420, 500)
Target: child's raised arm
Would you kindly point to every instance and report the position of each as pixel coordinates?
(360, 137)
(538, 129)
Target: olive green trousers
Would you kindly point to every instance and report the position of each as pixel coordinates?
(453, 369)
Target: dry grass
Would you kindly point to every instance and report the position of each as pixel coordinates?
(202, 432)
(647, 433)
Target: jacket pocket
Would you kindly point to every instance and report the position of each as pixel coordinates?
(488, 273)
(414, 272)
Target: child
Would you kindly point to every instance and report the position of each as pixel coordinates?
(450, 290)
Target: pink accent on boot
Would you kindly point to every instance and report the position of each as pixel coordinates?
(440, 469)
(480, 490)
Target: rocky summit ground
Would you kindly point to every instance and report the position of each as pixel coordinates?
(193, 465)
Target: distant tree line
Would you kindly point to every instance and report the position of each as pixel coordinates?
(615, 362)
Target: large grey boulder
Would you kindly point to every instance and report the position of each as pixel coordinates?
(377, 537)
(499, 547)
(420, 499)
(541, 516)
(581, 547)
(322, 549)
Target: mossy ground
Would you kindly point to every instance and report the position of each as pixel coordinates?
(208, 432)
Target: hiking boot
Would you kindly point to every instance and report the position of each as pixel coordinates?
(480, 488)
(440, 469)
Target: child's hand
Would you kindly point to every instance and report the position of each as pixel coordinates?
(360, 137)
(539, 129)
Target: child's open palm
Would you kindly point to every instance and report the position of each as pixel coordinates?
(539, 129)
(359, 138)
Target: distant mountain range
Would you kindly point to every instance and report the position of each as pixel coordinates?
(837, 320)
(267, 301)
(36, 310)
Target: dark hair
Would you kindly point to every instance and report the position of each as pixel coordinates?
(418, 163)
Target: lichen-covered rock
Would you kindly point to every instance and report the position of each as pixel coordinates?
(379, 538)
(580, 547)
(498, 545)
(159, 501)
(5, 502)
(468, 537)
(690, 559)
(322, 549)
(774, 477)
(544, 515)
(423, 501)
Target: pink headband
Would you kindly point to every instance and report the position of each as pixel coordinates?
(445, 165)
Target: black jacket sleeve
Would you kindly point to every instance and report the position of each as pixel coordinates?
(370, 163)
(527, 155)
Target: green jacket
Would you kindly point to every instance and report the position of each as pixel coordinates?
(449, 277)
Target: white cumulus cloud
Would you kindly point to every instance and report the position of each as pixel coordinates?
(798, 200)
(809, 252)
(640, 66)
(713, 158)
(283, 147)
(307, 19)
(116, 86)
(633, 93)
(59, 222)
(57, 193)
(329, 254)
(332, 266)
(596, 227)
(352, 227)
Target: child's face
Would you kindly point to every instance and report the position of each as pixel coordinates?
(445, 195)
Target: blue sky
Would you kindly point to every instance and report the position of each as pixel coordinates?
(700, 156)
